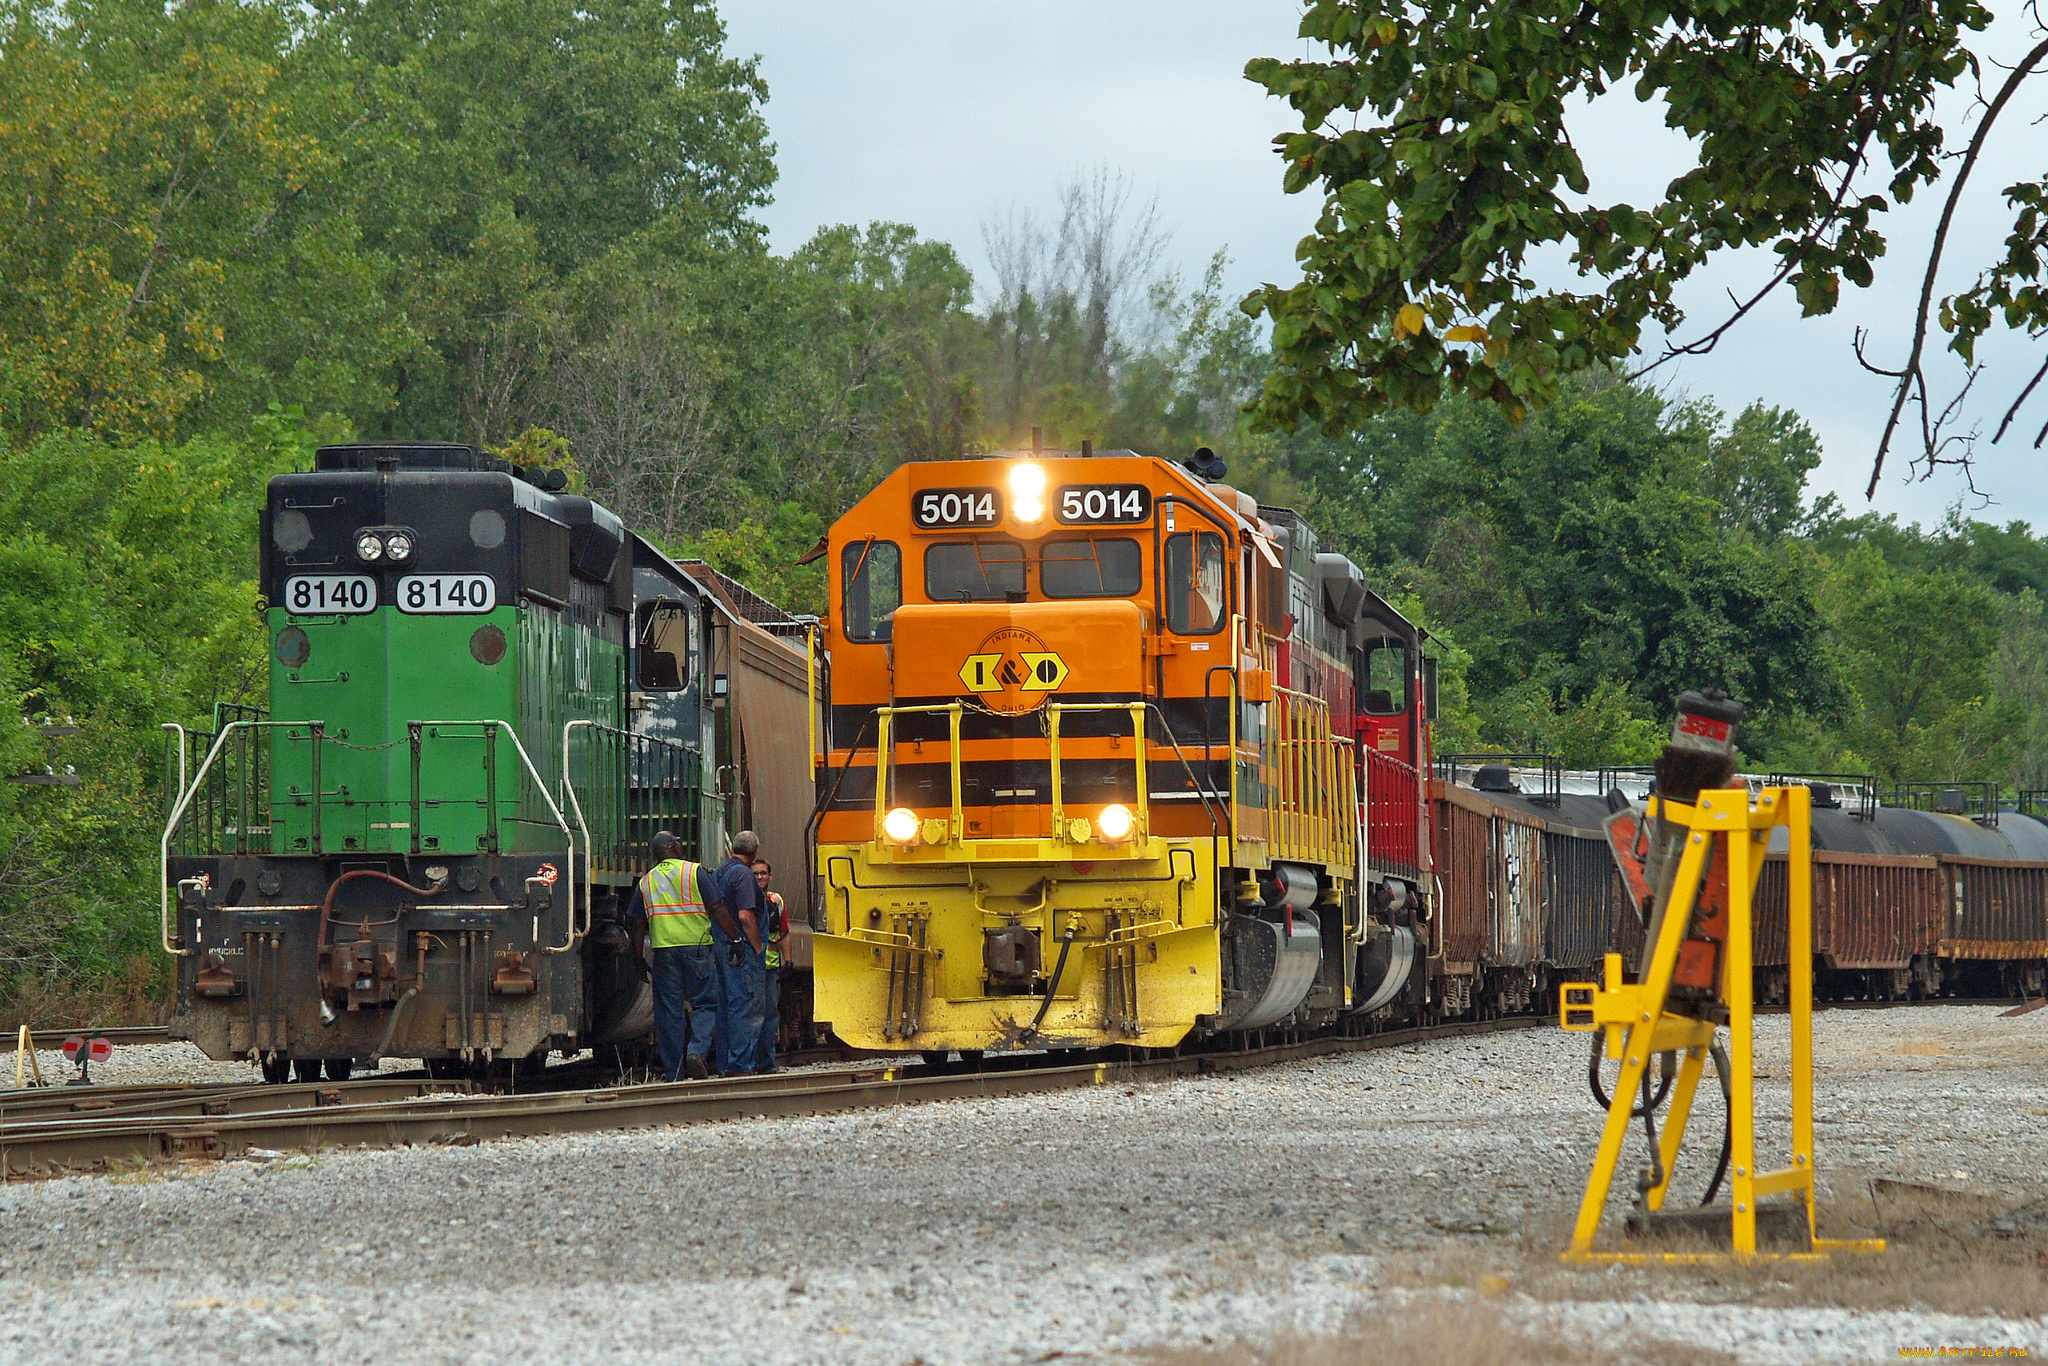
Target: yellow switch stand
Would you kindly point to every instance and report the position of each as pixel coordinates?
(1640, 1023)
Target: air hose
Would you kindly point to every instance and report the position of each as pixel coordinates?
(1646, 1112)
(1052, 985)
(1721, 1069)
(1600, 1092)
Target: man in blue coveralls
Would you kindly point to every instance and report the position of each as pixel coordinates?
(737, 947)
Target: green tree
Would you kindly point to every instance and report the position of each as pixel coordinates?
(1919, 649)
(172, 252)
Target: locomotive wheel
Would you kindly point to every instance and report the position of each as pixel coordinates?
(338, 1069)
(305, 1069)
(276, 1070)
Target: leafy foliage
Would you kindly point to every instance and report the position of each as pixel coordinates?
(131, 601)
(531, 227)
(1438, 133)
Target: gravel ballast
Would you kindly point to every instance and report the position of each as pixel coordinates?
(1096, 1223)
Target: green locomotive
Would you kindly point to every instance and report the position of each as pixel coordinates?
(486, 696)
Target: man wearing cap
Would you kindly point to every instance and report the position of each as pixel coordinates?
(672, 906)
(736, 941)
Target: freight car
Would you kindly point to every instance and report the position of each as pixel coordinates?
(1925, 890)
(485, 696)
(1113, 755)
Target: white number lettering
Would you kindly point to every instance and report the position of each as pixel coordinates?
(432, 593)
(928, 508)
(312, 594)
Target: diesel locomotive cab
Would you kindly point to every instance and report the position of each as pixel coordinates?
(1090, 774)
(405, 852)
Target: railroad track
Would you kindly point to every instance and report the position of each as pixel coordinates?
(40, 1136)
(72, 1128)
(118, 1035)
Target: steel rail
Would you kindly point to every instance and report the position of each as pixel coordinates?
(120, 1034)
(39, 1135)
(74, 1142)
(79, 1104)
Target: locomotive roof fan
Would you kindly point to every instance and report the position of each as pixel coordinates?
(1206, 464)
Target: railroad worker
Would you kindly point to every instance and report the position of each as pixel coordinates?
(670, 906)
(736, 933)
(774, 930)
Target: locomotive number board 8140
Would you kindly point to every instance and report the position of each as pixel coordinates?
(941, 509)
(1099, 504)
(329, 594)
(443, 593)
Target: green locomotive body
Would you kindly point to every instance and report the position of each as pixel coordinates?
(485, 698)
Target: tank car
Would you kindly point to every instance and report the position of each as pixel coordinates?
(1113, 755)
(485, 696)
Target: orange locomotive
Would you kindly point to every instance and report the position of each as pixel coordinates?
(1112, 755)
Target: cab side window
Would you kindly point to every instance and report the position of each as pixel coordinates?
(662, 646)
(1383, 687)
(871, 589)
(1196, 583)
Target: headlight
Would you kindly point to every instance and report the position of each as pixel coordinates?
(1114, 823)
(369, 547)
(901, 825)
(1027, 509)
(398, 545)
(1027, 481)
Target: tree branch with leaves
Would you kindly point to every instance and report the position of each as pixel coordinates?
(1439, 135)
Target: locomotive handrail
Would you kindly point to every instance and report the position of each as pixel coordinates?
(885, 761)
(316, 728)
(1142, 824)
(539, 786)
(1200, 785)
(178, 814)
(569, 790)
(174, 726)
(634, 748)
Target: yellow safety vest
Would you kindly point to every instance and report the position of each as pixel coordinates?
(774, 959)
(676, 914)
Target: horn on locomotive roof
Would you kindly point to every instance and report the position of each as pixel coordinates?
(1206, 463)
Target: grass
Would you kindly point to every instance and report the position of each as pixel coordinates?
(1947, 1251)
(1442, 1332)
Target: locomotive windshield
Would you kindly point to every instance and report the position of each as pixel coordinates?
(1103, 568)
(974, 571)
(664, 646)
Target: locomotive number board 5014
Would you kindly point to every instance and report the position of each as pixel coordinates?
(1099, 504)
(939, 509)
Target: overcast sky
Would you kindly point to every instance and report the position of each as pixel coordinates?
(942, 115)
